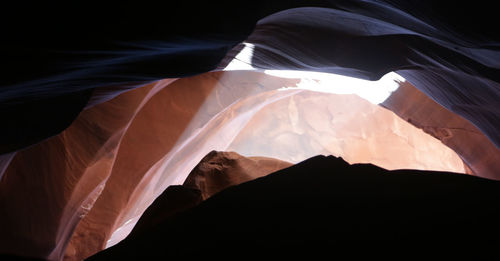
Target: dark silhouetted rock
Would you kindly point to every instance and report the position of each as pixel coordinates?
(326, 206)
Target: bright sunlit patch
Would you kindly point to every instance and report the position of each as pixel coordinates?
(243, 60)
(374, 91)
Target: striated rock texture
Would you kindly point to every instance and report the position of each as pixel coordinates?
(80, 161)
(50, 67)
(167, 138)
(325, 206)
(367, 39)
(94, 180)
(112, 162)
(90, 184)
(48, 188)
(481, 155)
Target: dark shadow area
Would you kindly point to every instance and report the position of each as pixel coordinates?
(25, 123)
(51, 51)
(326, 206)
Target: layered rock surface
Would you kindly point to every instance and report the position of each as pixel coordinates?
(52, 67)
(480, 155)
(48, 188)
(111, 162)
(371, 38)
(95, 179)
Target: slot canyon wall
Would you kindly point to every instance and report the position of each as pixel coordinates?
(134, 154)
(100, 117)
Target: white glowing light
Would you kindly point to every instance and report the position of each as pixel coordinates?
(243, 60)
(374, 91)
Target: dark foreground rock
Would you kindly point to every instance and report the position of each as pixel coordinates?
(326, 206)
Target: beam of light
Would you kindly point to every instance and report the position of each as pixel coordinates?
(374, 91)
(243, 60)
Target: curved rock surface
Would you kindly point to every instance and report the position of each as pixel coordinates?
(163, 143)
(80, 161)
(371, 38)
(309, 123)
(479, 154)
(107, 168)
(48, 188)
(54, 66)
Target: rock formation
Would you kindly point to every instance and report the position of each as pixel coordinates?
(326, 206)
(95, 124)
(309, 123)
(54, 66)
(480, 155)
(48, 188)
(215, 172)
(133, 153)
(220, 170)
